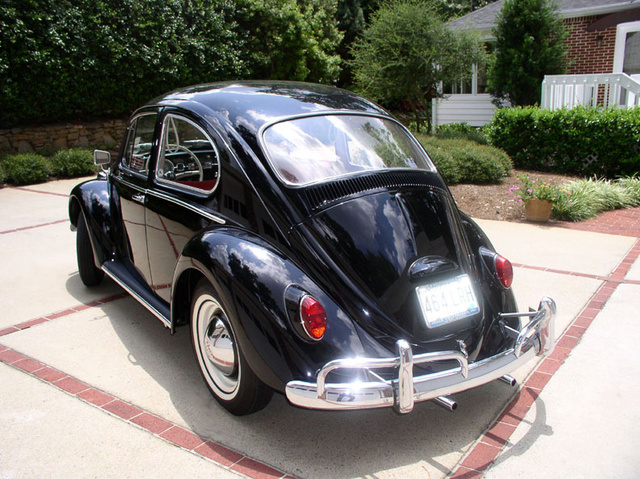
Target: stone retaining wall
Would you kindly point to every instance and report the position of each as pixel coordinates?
(49, 138)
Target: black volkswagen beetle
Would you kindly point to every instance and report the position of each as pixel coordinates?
(310, 244)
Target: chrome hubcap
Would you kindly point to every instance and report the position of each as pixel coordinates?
(219, 347)
(216, 348)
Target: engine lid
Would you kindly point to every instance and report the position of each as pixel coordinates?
(399, 249)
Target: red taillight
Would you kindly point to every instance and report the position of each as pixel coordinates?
(504, 270)
(313, 317)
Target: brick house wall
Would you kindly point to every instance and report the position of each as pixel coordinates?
(589, 51)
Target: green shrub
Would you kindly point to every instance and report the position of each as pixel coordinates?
(461, 131)
(464, 161)
(26, 168)
(589, 197)
(73, 163)
(585, 141)
(2, 175)
(446, 165)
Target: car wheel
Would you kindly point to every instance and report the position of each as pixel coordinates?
(89, 274)
(220, 358)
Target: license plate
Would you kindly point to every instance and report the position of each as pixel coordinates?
(447, 301)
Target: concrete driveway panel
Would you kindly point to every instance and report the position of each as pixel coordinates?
(597, 387)
(557, 249)
(39, 274)
(46, 433)
(570, 293)
(25, 209)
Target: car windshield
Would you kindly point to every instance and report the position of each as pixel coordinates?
(316, 148)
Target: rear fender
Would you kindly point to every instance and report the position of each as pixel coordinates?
(91, 199)
(498, 299)
(250, 278)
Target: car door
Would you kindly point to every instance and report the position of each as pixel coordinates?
(131, 181)
(181, 199)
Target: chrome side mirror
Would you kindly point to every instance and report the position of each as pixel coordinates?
(101, 157)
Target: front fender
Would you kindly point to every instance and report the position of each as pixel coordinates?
(250, 277)
(91, 198)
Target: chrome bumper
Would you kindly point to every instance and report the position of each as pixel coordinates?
(536, 338)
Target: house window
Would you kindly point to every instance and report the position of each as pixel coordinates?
(626, 58)
(475, 85)
(481, 75)
(631, 63)
(458, 88)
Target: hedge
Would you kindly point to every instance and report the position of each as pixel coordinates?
(585, 141)
(70, 60)
(25, 169)
(465, 161)
(63, 60)
(29, 168)
(73, 163)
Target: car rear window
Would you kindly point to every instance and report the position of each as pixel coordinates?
(316, 148)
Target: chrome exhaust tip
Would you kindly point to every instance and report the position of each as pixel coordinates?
(510, 380)
(447, 403)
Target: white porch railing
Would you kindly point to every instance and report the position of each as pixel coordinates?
(601, 90)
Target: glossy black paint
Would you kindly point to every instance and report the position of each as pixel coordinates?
(360, 245)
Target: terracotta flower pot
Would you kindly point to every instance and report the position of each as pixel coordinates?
(537, 210)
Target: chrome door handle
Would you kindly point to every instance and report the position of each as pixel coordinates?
(139, 198)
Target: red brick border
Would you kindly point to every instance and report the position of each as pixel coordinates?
(31, 190)
(24, 228)
(489, 446)
(61, 314)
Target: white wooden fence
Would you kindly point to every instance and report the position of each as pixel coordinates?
(598, 90)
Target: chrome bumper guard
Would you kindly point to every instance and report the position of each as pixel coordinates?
(536, 338)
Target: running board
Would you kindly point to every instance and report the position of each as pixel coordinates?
(119, 272)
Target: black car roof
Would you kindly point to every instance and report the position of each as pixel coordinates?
(249, 105)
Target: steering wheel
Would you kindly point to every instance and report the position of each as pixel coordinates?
(173, 148)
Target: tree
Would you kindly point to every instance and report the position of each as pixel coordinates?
(289, 39)
(351, 22)
(529, 45)
(407, 51)
(450, 9)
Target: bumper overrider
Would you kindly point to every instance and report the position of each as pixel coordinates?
(536, 338)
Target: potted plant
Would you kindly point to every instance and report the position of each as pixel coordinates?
(538, 197)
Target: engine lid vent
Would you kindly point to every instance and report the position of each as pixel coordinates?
(318, 196)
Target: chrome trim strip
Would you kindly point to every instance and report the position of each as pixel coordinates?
(131, 185)
(139, 298)
(535, 339)
(189, 206)
(176, 201)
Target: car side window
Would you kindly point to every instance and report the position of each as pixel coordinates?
(139, 143)
(188, 158)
